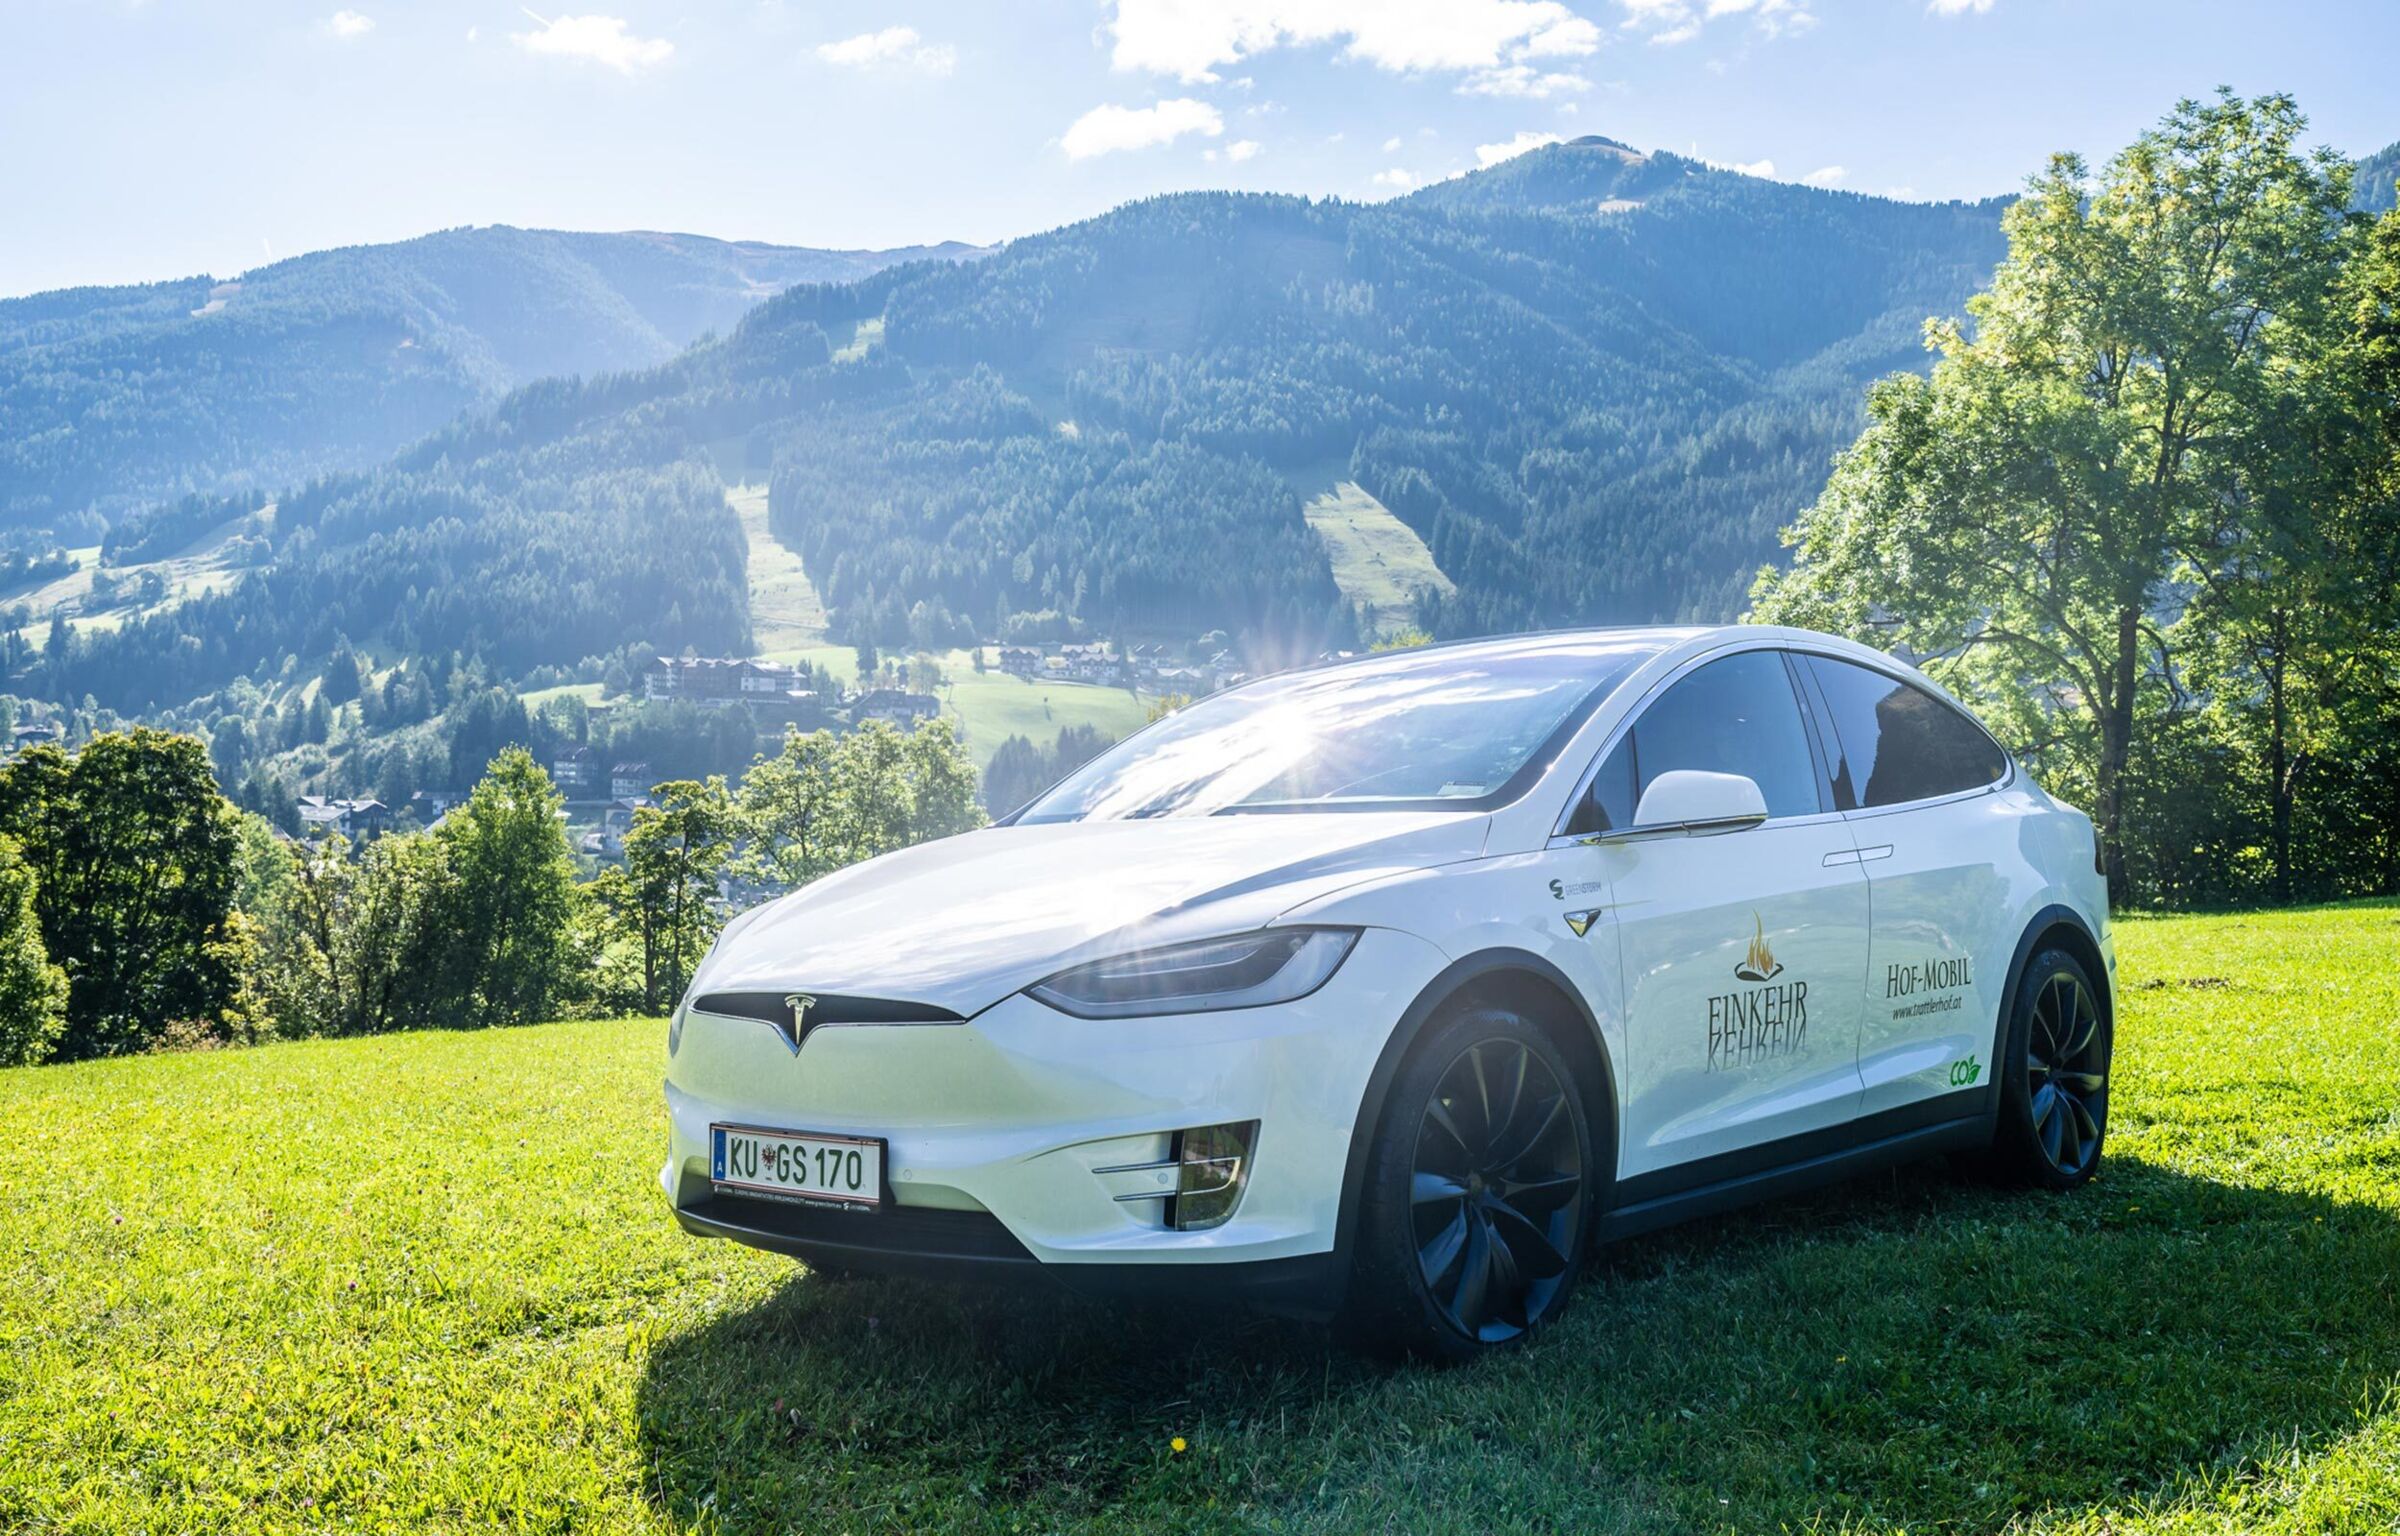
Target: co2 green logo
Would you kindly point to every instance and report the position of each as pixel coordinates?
(1964, 1073)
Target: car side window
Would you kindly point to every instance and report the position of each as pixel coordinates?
(1736, 715)
(1892, 742)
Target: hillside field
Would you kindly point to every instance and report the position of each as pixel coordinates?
(1378, 561)
(427, 1282)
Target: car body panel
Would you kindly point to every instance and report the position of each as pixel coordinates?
(1017, 1111)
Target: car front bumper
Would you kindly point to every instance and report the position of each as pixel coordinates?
(1002, 1132)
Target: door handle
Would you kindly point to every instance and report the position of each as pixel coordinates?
(1858, 855)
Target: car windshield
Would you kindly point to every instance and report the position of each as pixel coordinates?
(1454, 728)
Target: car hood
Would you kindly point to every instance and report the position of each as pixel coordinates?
(964, 922)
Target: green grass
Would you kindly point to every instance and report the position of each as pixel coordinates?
(1378, 561)
(785, 610)
(426, 1283)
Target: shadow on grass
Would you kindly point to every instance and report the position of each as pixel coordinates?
(1913, 1350)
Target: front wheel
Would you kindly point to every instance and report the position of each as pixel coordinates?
(1477, 1203)
(2053, 1077)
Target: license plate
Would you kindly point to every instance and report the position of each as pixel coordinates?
(797, 1165)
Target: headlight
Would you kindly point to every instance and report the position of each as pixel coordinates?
(1248, 971)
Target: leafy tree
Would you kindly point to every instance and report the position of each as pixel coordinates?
(134, 857)
(673, 855)
(33, 992)
(2029, 506)
(826, 801)
(510, 896)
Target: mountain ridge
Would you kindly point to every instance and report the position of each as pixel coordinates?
(111, 397)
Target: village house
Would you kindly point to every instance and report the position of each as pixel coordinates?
(577, 772)
(897, 705)
(770, 688)
(630, 782)
(355, 819)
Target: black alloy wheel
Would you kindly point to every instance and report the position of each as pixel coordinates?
(1497, 1195)
(2066, 1074)
(1479, 1192)
(2053, 1077)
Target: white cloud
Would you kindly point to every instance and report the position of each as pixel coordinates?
(1826, 176)
(602, 40)
(1764, 169)
(1190, 38)
(1668, 22)
(898, 47)
(349, 24)
(1243, 149)
(1958, 7)
(1492, 154)
(1105, 129)
(1395, 180)
(1391, 143)
(1522, 80)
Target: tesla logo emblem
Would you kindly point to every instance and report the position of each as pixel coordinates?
(1758, 963)
(799, 1003)
(1580, 923)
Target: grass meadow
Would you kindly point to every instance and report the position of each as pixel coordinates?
(427, 1283)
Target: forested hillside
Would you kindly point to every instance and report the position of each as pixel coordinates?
(1590, 405)
(110, 397)
(2372, 192)
(1594, 382)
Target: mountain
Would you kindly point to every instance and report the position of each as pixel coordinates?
(2372, 191)
(110, 397)
(1591, 382)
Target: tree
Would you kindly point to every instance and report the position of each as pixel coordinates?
(510, 897)
(134, 857)
(673, 855)
(2027, 508)
(825, 801)
(33, 992)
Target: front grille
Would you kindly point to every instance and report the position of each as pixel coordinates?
(795, 1015)
(823, 1008)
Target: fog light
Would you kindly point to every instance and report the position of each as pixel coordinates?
(1212, 1162)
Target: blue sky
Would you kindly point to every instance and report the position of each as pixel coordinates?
(146, 139)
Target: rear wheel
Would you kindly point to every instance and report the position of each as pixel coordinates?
(1478, 1192)
(2054, 1076)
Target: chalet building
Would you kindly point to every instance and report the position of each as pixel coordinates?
(429, 806)
(577, 772)
(896, 705)
(630, 782)
(770, 688)
(39, 733)
(355, 819)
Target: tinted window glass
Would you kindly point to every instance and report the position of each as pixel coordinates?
(1893, 742)
(1732, 716)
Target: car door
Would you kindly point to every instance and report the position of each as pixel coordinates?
(1742, 953)
(1914, 777)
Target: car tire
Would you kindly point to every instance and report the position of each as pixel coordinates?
(1477, 1206)
(2053, 1077)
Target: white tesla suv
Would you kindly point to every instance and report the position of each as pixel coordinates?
(1384, 989)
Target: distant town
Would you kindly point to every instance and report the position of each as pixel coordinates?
(603, 793)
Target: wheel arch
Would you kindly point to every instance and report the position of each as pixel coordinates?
(1513, 978)
(2055, 925)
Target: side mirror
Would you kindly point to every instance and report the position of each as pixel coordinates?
(1689, 800)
